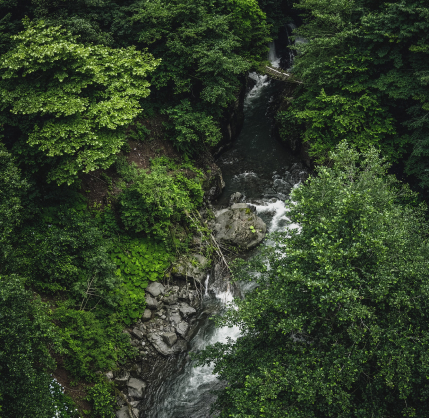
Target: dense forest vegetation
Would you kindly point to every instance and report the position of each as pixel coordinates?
(338, 328)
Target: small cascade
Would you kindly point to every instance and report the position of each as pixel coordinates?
(290, 27)
(272, 55)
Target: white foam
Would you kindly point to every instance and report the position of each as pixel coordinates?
(272, 55)
(262, 81)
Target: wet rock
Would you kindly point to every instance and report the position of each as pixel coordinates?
(162, 348)
(171, 299)
(121, 378)
(186, 310)
(175, 317)
(136, 388)
(137, 333)
(213, 183)
(135, 343)
(235, 198)
(193, 268)
(240, 227)
(147, 315)
(124, 412)
(155, 289)
(151, 302)
(109, 375)
(169, 338)
(239, 206)
(135, 370)
(282, 186)
(182, 328)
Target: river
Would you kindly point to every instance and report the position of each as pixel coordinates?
(264, 171)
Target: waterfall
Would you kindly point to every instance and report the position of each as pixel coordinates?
(272, 55)
(290, 27)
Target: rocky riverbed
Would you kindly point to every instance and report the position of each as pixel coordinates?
(174, 313)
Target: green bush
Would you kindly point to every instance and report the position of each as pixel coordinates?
(138, 261)
(103, 402)
(12, 190)
(26, 337)
(155, 199)
(191, 127)
(71, 100)
(91, 343)
(66, 251)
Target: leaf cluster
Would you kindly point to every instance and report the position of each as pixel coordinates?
(26, 337)
(138, 262)
(364, 68)
(154, 200)
(71, 100)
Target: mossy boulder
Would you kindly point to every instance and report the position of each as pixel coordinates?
(239, 226)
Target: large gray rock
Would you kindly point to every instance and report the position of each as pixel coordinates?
(124, 413)
(182, 328)
(235, 198)
(193, 268)
(169, 338)
(121, 378)
(155, 289)
(186, 310)
(175, 317)
(147, 315)
(282, 186)
(240, 227)
(137, 333)
(171, 298)
(151, 302)
(162, 348)
(136, 388)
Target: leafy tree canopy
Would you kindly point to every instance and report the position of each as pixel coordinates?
(338, 325)
(205, 48)
(26, 335)
(365, 69)
(12, 190)
(71, 100)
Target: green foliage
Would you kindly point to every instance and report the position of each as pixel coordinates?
(364, 68)
(71, 100)
(338, 324)
(101, 397)
(140, 133)
(138, 261)
(26, 336)
(154, 200)
(67, 252)
(12, 191)
(205, 48)
(191, 127)
(276, 12)
(91, 343)
(360, 119)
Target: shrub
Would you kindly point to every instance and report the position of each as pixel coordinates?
(66, 251)
(103, 402)
(155, 199)
(138, 261)
(26, 336)
(91, 343)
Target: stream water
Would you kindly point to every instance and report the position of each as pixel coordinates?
(259, 167)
